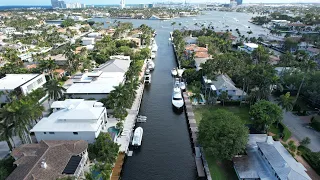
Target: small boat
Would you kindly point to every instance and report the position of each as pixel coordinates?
(147, 78)
(153, 55)
(154, 47)
(151, 65)
(174, 72)
(177, 100)
(137, 136)
(180, 72)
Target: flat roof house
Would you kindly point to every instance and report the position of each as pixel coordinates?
(268, 159)
(248, 47)
(72, 119)
(22, 83)
(50, 160)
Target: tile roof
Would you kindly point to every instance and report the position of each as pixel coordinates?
(56, 154)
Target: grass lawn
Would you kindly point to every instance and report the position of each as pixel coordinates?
(220, 170)
(273, 128)
(242, 112)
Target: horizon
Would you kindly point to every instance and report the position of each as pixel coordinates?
(115, 2)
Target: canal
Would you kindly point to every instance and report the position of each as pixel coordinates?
(166, 152)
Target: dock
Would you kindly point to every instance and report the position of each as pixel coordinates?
(201, 163)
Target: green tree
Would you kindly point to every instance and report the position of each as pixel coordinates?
(285, 102)
(305, 141)
(265, 113)
(54, 89)
(222, 134)
(223, 97)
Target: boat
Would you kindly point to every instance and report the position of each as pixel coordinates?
(182, 86)
(153, 55)
(180, 72)
(147, 78)
(174, 72)
(137, 136)
(151, 65)
(177, 100)
(154, 47)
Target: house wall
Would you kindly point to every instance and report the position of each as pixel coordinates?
(232, 94)
(35, 83)
(87, 136)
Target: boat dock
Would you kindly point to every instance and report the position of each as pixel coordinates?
(201, 163)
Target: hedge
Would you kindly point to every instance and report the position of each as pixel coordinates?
(313, 158)
(286, 133)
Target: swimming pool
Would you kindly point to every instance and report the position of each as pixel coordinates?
(113, 131)
(201, 101)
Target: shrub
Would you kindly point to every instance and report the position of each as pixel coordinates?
(313, 158)
(276, 137)
(286, 133)
(296, 108)
(315, 123)
(64, 78)
(305, 141)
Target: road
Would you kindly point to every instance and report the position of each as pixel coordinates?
(300, 130)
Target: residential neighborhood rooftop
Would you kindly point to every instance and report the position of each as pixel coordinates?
(12, 81)
(71, 115)
(56, 155)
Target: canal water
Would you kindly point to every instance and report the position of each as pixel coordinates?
(166, 152)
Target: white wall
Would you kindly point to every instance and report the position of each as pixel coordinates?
(35, 83)
(87, 136)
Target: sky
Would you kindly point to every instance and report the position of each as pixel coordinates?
(48, 2)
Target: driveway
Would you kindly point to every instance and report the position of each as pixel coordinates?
(300, 129)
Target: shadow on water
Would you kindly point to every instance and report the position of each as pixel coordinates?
(176, 110)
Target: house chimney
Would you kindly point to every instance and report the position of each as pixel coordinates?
(44, 164)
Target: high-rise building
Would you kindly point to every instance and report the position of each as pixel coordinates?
(239, 2)
(61, 4)
(233, 3)
(122, 4)
(55, 3)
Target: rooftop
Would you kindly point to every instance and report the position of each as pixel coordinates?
(74, 115)
(59, 57)
(103, 84)
(224, 82)
(12, 81)
(254, 165)
(56, 154)
(115, 65)
(251, 45)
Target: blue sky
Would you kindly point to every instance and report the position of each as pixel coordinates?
(48, 2)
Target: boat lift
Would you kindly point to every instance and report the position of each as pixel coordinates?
(141, 119)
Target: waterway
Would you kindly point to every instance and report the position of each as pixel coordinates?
(166, 151)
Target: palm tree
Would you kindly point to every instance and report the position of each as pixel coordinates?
(6, 128)
(54, 89)
(285, 102)
(48, 66)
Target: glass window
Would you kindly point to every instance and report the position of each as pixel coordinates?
(75, 133)
(44, 132)
(39, 81)
(51, 132)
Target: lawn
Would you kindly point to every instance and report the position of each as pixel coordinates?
(242, 112)
(222, 170)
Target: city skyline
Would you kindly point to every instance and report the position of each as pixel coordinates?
(48, 2)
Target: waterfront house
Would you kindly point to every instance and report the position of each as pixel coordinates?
(50, 160)
(59, 59)
(88, 41)
(313, 51)
(267, 159)
(72, 119)
(200, 54)
(223, 83)
(22, 84)
(190, 40)
(248, 47)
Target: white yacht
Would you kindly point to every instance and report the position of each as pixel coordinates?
(153, 55)
(147, 78)
(177, 100)
(150, 65)
(174, 72)
(154, 47)
(180, 72)
(137, 136)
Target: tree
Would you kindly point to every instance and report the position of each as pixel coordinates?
(265, 113)
(285, 102)
(54, 89)
(103, 149)
(222, 134)
(223, 97)
(305, 141)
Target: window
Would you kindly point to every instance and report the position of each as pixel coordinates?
(75, 133)
(226, 90)
(51, 132)
(44, 132)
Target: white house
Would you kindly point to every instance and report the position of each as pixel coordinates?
(22, 83)
(94, 35)
(248, 47)
(72, 119)
(223, 83)
(88, 41)
(9, 30)
(268, 159)
(95, 85)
